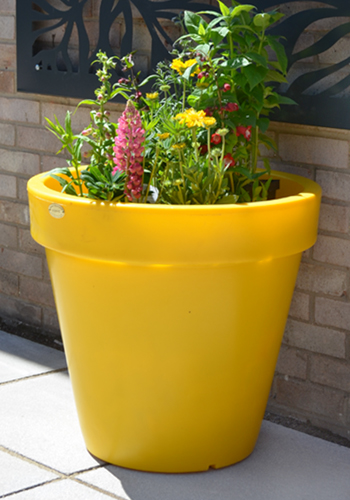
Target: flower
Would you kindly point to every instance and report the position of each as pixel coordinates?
(245, 131)
(208, 111)
(180, 145)
(203, 149)
(231, 106)
(152, 96)
(128, 150)
(216, 139)
(181, 67)
(192, 118)
(163, 136)
(222, 131)
(209, 121)
(229, 161)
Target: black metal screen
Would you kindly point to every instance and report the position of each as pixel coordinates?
(55, 48)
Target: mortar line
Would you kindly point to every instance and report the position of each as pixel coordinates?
(39, 485)
(97, 488)
(65, 475)
(18, 455)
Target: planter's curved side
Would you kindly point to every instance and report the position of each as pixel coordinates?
(172, 359)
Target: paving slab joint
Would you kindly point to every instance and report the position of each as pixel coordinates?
(37, 375)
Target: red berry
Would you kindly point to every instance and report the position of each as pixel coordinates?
(227, 87)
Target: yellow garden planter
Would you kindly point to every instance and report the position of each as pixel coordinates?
(172, 317)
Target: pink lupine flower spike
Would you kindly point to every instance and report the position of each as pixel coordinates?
(128, 150)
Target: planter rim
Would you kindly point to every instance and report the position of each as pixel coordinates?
(145, 234)
(39, 185)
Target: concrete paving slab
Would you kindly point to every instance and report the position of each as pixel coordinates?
(286, 465)
(22, 358)
(64, 489)
(38, 420)
(18, 474)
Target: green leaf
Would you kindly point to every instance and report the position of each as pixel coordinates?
(63, 182)
(189, 71)
(62, 171)
(192, 100)
(88, 102)
(275, 76)
(263, 124)
(278, 48)
(286, 100)
(254, 74)
(238, 62)
(68, 123)
(204, 49)
(241, 8)
(119, 91)
(192, 21)
(257, 58)
(69, 189)
(201, 30)
(210, 13)
(148, 79)
(97, 174)
(262, 20)
(267, 141)
(228, 199)
(225, 11)
(267, 166)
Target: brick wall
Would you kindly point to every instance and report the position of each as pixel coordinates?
(312, 379)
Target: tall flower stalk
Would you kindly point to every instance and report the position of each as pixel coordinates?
(128, 151)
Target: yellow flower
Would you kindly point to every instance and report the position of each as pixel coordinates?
(192, 118)
(209, 121)
(180, 145)
(181, 67)
(152, 96)
(163, 136)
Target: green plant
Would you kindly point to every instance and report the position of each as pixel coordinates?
(198, 134)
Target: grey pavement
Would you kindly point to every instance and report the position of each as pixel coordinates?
(43, 457)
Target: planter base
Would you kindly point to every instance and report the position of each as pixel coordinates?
(176, 377)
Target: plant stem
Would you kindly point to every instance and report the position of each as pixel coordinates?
(209, 151)
(195, 144)
(76, 167)
(162, 186)
(184, 96)
(152, 174)
(255, 148)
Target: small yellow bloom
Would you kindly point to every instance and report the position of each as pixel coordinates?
(152, 96)
(180, 145)
(209, 121)
(192, 118)
(163, 136)
(181, 67)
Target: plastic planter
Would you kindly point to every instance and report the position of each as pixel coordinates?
(172, 317)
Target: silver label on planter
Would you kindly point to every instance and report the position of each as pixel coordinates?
(56, 210)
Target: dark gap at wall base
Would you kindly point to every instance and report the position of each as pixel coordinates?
(30, 332)
(307, 428)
